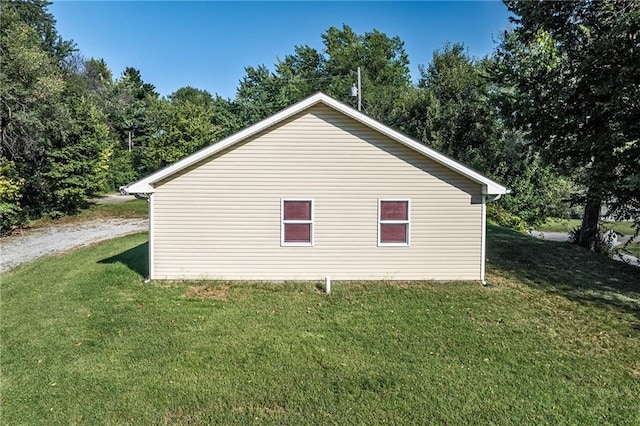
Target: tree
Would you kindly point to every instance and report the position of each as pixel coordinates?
(183, 124)
(53, 141)
(137, 96)
(76, 165)
(465, 125)
(34, 14)
(572, 77)
(452, 110)
(259, 95)
(30, 84)
(384, 68)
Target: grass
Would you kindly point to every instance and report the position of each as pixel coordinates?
(567, 225)
(555, 339)
(129, 209)
(633, 249)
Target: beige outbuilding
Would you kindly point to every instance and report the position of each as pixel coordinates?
(318, 189)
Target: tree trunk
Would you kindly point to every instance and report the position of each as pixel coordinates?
(588, 236)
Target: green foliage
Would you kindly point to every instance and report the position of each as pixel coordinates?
(183, 124)
(54, 135)
(452, 110)
(631, 248)
(559, 100)
(384, 68)
(120, 169)
(604, 242)
(34, 14)
(11, 214)
(571, 72)
(496, 213)
(537, 191)
(463, 123)
(30, 86)
(77, 165)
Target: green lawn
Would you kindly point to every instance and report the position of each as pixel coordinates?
(567, 225)
(555, 339)
(128, 209)
(633, 249)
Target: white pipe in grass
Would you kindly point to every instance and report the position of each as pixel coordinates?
(327, 284)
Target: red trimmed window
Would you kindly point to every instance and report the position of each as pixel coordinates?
(297, 222)
(394, 222)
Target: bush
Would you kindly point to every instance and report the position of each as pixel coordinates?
(11, 213)
(500, 216)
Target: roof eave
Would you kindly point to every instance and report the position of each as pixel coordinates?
(146, 185)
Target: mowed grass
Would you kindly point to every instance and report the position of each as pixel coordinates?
(130, 209)
(567, 225)
(554, 339)
(633, 249)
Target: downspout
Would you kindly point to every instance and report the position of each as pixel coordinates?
(151, 237)
(483, 239)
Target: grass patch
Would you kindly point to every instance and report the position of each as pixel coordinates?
(567, 225)
(632, 249)
(554, 339)
(131, 209)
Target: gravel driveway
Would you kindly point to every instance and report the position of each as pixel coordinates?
(18, 249)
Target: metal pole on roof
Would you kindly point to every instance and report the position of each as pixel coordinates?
(359, 92)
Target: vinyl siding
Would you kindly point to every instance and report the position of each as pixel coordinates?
(220, 219)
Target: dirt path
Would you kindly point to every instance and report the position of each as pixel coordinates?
(19, 249)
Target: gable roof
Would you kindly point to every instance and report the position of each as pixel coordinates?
(145, 185)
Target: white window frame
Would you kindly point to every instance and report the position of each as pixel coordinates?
(394, 222)
(283, 222)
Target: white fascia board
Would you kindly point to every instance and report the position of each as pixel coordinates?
(145, 186)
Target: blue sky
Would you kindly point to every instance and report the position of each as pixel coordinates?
(207, 44)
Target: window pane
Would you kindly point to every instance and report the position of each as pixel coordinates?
(297, 210)
(393, 233)
(297, 233)
(393, 210)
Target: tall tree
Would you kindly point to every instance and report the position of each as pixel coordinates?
(572, 71)
(53, 141)
(452, 110)
(35, 15)
(465, 126)
(383, 62)
(30, 85)
(384, 68)
(188, 120)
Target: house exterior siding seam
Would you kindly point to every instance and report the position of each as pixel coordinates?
(229, 224)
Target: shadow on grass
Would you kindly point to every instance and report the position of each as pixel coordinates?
(136, 259)
(565, 269)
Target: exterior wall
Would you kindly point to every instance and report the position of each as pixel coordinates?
(220, 219)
